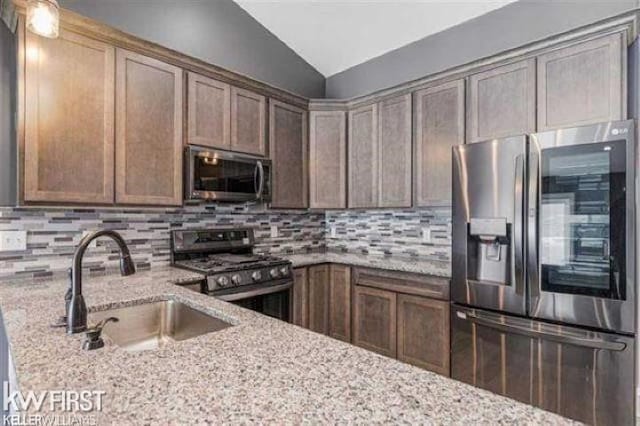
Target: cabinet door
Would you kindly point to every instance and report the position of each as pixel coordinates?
(423, 333)
(148, 131)
(209, 112)
(374, 319)
(319, 299)
(340, 302)
(300, 298)
(363, 157)
(502, 102)
(69, 119)
(288, 151)
(439, 124)
(394, 139)
(327, 144)
(248, 121)
(582, 84)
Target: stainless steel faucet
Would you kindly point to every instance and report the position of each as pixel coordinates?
(76, 307)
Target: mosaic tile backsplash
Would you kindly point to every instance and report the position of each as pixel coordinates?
(53, 233)
(413, 232)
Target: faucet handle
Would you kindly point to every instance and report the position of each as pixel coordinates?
(93, 337)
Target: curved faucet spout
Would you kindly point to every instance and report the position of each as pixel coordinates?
(76, 307)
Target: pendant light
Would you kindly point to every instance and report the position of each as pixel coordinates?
(43, 17)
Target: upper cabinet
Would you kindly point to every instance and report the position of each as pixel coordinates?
(394, 133)
(363, 157)
(148, 131)
(582, 84)
(288, 152)
(439, 126)
(502, 102)
(248, 121)
(327, 159)
(69, 119)
(208, 112)
(380, 154)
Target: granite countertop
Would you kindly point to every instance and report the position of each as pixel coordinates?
(260, 370)
(392, 263)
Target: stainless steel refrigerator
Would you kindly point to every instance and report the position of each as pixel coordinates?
(543, 270)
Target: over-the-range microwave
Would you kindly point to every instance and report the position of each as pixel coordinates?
(218, 175)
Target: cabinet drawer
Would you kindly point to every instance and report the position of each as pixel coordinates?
(404, 282)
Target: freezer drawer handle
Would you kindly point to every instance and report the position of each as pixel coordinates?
(560, 338)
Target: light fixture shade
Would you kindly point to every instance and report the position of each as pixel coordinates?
(43, 17)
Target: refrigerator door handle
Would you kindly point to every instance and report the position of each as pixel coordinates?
(593, 343)
(518, 252)
(532, 228)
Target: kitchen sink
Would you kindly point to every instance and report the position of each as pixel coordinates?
(153, 325)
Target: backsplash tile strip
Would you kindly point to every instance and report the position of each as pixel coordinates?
(54, 232)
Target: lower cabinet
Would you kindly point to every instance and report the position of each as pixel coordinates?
(423, 332)
(396, 314)
(374, 320)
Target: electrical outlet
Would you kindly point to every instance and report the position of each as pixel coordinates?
(13, 240)
(94, 243)
(426, 235)
(274, 231)
(333, 232)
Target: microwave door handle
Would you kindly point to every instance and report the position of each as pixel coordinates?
(260, 173)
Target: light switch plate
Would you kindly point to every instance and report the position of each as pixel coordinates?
(13, 240)
(274, 231)
(333, 232)
(426, 235)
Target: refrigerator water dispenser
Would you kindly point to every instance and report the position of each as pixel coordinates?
(489, 250)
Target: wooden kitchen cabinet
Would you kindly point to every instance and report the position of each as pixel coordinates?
(248, 122)
(340, 302)
(69, 119)
(148, 131)
(208, 112)
(395, 152)
(327, 162)
(583, 83)
(300, 303)
(439, 126)
(502, 102)
(363, 157)
(374, 320)
(319, 299)
(288, 151)
(423, 332)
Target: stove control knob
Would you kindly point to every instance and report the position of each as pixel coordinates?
(223, 281)
(236, 279)
(274, 273)
(284, 271)
(256, 276)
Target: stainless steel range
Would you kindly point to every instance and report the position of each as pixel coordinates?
(234, 273)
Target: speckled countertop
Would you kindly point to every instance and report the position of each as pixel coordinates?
(260, 370)
(393, 263)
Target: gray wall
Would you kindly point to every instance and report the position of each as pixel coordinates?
(511, 26)
(7, 117)
(216, 31)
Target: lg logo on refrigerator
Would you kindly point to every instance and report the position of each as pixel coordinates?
(616, 132)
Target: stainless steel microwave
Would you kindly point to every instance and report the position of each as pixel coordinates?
(226, 176)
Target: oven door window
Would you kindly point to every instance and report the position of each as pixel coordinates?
(582, 220)
(275, 305)
(225, 175)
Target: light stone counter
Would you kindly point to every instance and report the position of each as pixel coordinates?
(392, 263)
(260, 370)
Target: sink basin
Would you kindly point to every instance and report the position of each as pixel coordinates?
(153, 325)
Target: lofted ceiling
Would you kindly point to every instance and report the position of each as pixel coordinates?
(334, 35)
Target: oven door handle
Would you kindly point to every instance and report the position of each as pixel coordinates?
(256, 292)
